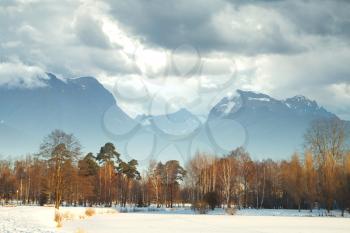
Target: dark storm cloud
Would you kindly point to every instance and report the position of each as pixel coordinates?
(90, 33)
(170, 23)
(322, 18)
(281, 47)
(166, 23)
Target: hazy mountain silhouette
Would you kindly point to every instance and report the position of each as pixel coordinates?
(76, 106)
(266, 126)
(272, 128)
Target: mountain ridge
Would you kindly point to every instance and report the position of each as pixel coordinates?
(83, 106)
(76, 106)
(268, 121)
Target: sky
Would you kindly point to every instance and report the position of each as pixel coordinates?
(158, 56)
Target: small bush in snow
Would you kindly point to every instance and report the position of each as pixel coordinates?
(231, 211)
(68, 215)
(111, 211)
(123, 210)
(90, 212)
(200, 207)
(43, 198)
(212, 199)
(58, 218)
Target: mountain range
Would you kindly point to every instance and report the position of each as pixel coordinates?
(29, 114)
(274, 128)
(267, 127)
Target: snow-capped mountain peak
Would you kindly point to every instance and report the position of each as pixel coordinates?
(228, 105)
(261, 102)
(302, 104)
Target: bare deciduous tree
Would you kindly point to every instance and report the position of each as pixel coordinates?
(59, 148)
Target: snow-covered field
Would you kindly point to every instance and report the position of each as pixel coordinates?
(40, 220)
(25, 219)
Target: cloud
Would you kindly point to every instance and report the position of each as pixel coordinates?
(90, 32)
(18, 74)
(315, 74)
(211, 27)
(182, 49)
(327, 19)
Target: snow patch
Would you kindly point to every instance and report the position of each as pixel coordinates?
(260, 99)
(229, 106)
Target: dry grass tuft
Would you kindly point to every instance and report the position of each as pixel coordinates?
(111, 211)
(59, 225)
(68, 215)
(90, 212)
(201, 207)
(231, 211)
(9, 205)
(49, 205)
(58, 218)
(80, 230)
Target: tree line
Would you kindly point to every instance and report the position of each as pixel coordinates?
(320, 178)
(59, 174)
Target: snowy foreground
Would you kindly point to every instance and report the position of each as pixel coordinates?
(41, 219)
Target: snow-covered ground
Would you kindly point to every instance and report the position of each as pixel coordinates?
(147, 223)
(35, 219)
(242, 212)
(40, 220)
(26, 219)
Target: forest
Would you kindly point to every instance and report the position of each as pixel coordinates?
(60, 175)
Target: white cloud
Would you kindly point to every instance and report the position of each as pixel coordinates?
(194, 53)
(18, 74)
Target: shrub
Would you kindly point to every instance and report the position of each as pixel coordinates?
(123, 210)
(111, 211)
(200, 207)
(212, 199)
(43, 198)
(58, 218)
(68, 215)
(231, 211)
(90, 212)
